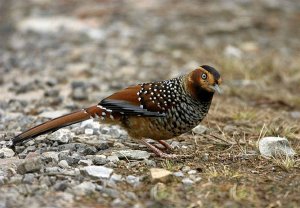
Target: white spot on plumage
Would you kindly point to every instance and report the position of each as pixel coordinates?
(141, 106)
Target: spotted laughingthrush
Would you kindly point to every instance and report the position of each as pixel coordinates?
(156, 110)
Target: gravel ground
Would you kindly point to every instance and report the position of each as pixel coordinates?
(60, 56)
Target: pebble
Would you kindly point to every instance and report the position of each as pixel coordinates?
(89, 131)
(85, 162)
(186, 168)
(97, 171)
(132, 154)
(79, 93)
(159, 174)
(113, 158)
(52, 156)
(62, 136)
(295, 114)
(63, 164)
(116, 177)
(178, 174)
(187, 181)
(30, 165)
(84, 188)
(200, 129)
(6, 153)
(99, 159)
(133, 180)
(272, 146)
(29, 178)
(232, 52)
(53, 114)
(192, 172)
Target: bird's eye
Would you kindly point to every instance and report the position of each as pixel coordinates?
(204, 76)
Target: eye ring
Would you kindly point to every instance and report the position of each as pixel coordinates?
(204, 76)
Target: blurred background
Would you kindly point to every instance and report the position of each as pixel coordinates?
(58, 56)
(98, 46)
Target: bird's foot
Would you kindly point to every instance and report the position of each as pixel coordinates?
(166, 145)
(161, 154)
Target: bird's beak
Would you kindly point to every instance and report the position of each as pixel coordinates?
(216, 88)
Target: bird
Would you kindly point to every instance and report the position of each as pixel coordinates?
(158, 110)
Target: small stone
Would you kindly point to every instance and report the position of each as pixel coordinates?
(178, 174)
(133, 180)
(79, 93)
(62, 136)
(89, 131)
(175, 144)
(85, 162)
(63, 164)
(29, 178)
(272, 146)
(52, 170)
(113, 158)
(52, 156)
(97, 171)
(187, 181)
(61, 185)
(6, 152)
(159, 174)
(116, 177)
(132, 154)
(295, 114)
(192, 172)
(232, 52)
(53, 114)
(186, 168)
(200, 129)
(30, 165)
(99, 159)
(84, 188)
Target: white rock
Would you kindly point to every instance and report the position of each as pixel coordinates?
(113, 158)
(85, 162)
(51, 155)
(53, 114)
(132, 154)
(232, 52)
(178, 174)
(199, 129)
(133, 180)
(89, 131)
(272, 146)
(84, 188)
(7, 153)
(187, 181)
(63, 164)
(90, 124)
(159, 173)
(116, 177)
(295, 114)
(61, 135)
(192, 172)
(97, 171)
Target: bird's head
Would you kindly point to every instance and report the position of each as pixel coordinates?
(204, 80)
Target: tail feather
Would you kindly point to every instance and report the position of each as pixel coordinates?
(57, 123)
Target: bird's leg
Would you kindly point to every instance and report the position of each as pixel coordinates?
(165, 144)
(157, 151)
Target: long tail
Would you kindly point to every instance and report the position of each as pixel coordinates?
(58, 123)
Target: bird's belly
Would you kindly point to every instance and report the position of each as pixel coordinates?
(162, 128)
